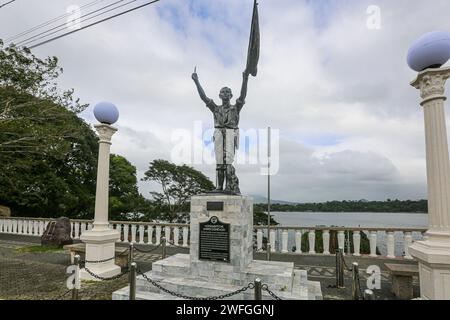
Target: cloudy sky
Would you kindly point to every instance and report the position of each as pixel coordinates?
(335, 89)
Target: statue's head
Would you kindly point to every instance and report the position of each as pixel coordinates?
(225, 94)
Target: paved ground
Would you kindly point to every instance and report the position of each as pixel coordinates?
(42, 275)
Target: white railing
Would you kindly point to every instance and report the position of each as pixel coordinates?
(383, 242)
(390, 242)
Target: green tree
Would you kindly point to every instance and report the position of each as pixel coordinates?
(48, 155)
(125, 201)
(178, 183)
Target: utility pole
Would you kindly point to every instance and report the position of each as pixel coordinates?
(268, 194)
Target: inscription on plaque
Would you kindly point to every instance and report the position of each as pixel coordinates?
(214, 206)
(214, 244)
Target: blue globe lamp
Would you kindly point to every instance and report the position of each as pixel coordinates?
(106, 112)
(432, 50)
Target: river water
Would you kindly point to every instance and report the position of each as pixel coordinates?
(354, 219)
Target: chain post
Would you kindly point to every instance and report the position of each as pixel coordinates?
(339, 269)
(258, 289)
(355, 281)
(130, 258)
(75, 289)
(163, 241)
(268, 251)
(133, 268)
(369, 295)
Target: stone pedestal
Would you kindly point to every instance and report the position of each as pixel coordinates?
(433, 253)
(189, 275)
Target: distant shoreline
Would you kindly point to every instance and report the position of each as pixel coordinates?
(388, 206)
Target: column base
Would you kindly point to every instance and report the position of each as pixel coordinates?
(433, 256)
(100, 245)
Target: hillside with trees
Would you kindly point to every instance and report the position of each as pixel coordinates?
(413, 206)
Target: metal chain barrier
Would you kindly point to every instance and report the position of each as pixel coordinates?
(179, 295)
(62, 295)
(265, 287)
(103, 278)
(147, 251)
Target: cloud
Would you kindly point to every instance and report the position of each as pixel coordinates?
(350, 124)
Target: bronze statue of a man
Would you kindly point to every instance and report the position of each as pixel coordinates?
(226, 115)
(226, 133)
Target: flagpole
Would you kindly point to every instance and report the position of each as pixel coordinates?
(268, 194)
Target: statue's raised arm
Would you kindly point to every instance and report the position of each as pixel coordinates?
(241, 99)
(200, 90)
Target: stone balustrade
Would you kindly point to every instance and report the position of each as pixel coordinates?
(390, 242)
(382, 242)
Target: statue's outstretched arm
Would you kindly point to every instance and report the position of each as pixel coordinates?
(244, 87)
(200, 90)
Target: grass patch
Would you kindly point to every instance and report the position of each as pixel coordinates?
(38, 249)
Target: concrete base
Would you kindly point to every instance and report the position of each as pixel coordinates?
(100, 245)
(433, 256)
(187, 275)
(173, 274)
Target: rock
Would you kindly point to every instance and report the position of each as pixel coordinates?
(5, 211)
(57, 233)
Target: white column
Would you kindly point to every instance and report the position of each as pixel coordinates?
(176, 235)
(167, 235)
(259, 239)
(77, 230)
(41, 228)
(1, 225)
(356, 243)
(298, 241)
(119, 228)
(100, 241)
(141, 233)
(185, 236)
(25, 227)
(20, 225)
(407, 243)
(150, 234)
(126, 228)
(272, 240)
(31, 227)
(433, 253)
(158, 235)
(390, 245)
(373, 243)
(326, 241)
(284, 241)
(312, 241)
(133, 233)
(15, 226)
(341, 240)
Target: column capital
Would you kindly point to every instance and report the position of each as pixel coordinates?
(431, 83)
(105, 132)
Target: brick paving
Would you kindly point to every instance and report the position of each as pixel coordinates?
(41, 276)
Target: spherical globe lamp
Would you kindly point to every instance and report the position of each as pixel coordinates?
(106, 112)
(431, 50)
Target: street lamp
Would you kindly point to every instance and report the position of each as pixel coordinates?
(100, 241)
(426, 56)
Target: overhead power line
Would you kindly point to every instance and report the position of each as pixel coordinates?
(93, 24)
(46, 23)
(5, 4)
(64, 26)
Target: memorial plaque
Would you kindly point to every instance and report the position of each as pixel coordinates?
(214, 244)
(214, 206)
